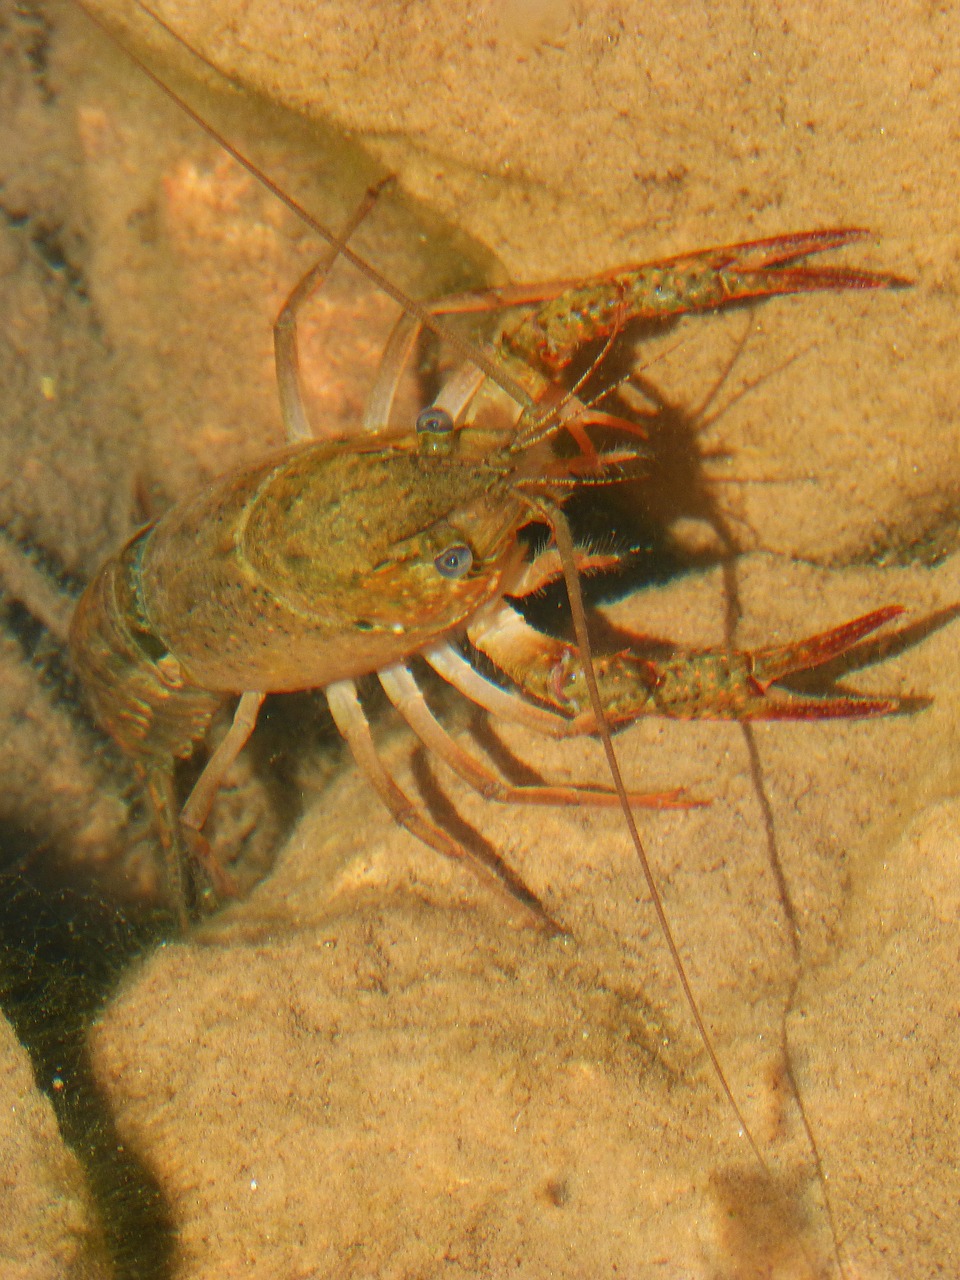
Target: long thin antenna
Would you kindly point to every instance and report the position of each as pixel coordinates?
(564, 539)
(423, 313)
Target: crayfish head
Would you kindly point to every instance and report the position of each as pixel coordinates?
(441, 573)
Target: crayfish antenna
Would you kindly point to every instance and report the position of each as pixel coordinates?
(565, 545)
(564, 539)
(467, 350)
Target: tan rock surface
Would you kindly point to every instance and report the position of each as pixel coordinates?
(876, 1032)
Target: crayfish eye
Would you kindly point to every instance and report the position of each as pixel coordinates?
(455, 561)
(434, 432)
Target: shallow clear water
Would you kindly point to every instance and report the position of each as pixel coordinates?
(368, 1069)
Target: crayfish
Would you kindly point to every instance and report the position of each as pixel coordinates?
(331, 561)
(328, 561)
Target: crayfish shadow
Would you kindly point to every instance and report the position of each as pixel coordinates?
(64, 949)
(661, 517)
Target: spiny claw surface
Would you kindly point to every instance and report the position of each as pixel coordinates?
(654, 678)
(574, 313)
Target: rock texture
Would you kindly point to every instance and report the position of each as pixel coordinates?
(373, 1067)
(47, 1231)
